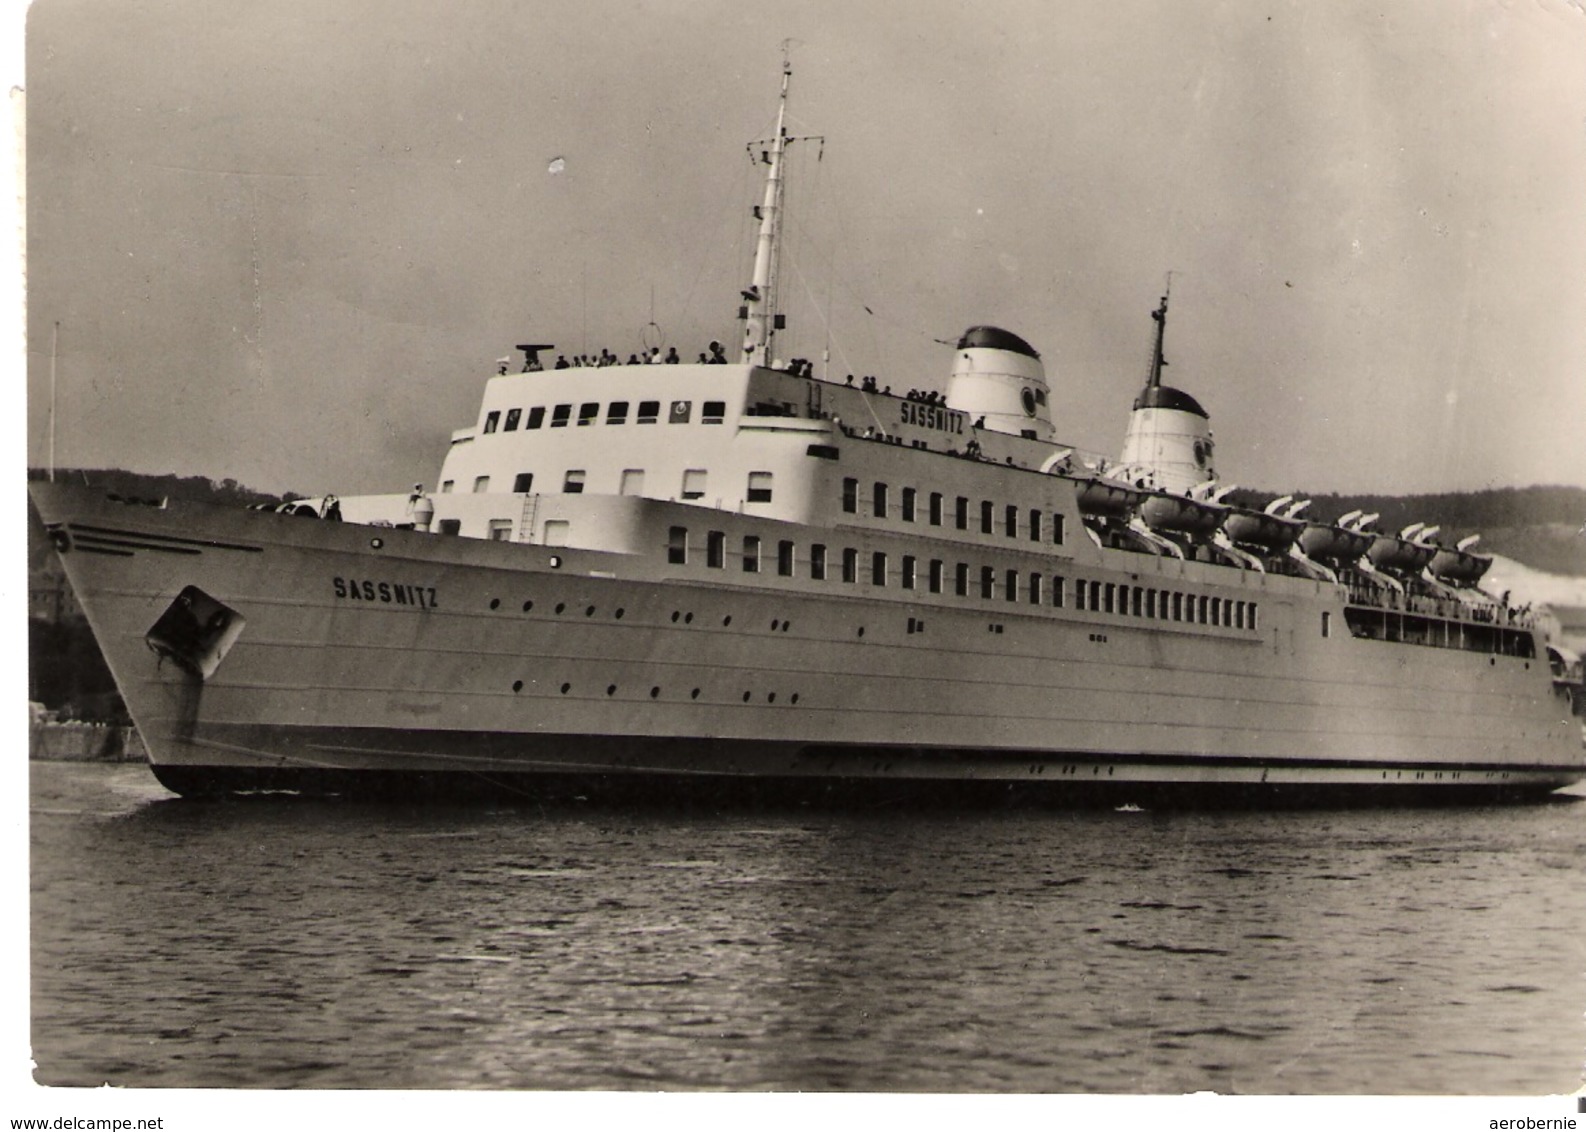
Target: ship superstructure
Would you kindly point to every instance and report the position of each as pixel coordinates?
(720, 577)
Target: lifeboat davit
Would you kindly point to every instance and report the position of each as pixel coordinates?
(1098, 496)
(1393, 552)
(1179, 514)
(1258, 528)
(1324, 542)
(1460, 566)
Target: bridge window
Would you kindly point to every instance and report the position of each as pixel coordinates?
(677, 546)
(878, 568)
(649, 412)
(1035, 524)
(713, 412)
(759, 487)
(492, 419)
(850, 564)
(850, 496)
(936, 509)
(1011, 586)
(933, 578)
(907, 580)
(694, 483)
(908, 504)
(574, 482)
(1136, 601)
(751, 554)
(1057, 592)
(513, 416)
(881, 500)
(1079, 593)
(784, 558)
(961, 514)
(1010, 521)
(536, 417)
(481, 484)
(588, 412)
(715, 550)
(988, 582)
(1107, 598)
(523, 482)
(818, 561)
(1057, 529)
(986, 509)
(1035, 589)
(560, 415)
(617, 412)
(961, 580)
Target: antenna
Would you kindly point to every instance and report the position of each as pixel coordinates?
(1158, 362)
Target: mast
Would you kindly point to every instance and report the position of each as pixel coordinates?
(759, 309)
(1160, 316)
(55, 345)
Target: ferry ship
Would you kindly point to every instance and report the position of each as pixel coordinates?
(742, 580)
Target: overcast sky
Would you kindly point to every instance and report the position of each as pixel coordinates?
(286, 241)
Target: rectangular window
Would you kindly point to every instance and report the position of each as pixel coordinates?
(1057, 592)
(677, 546)
(908, 505)
(936, 509)
(481, 484)
(1217, 611)
(961, 513)
(759, 487)
(447, 485)
(1327, 623)
(1095, 597)
(818, 561)
(988, 582)
(1107, 598)
(713, 412)
(560, 416)
(907, 577)
(1010, 586)
(1010, 521)
(1035, 524)
(934, 578)
(850, 496)
(987, 508)
(1200, 608)
(1079, 593)
(1254, 620)
(1035, 589)
(536, 417)
(694, 483)
(1239, 615)
(617, 412)
(633, 481)
(878, 568)
(1136, 601)
(1178, 607)
(751, 554)
(784, 558)
(573, 482)
(588, 412)
(492, 420)
(715, 550)
(522, 482)
(500, 530)
(961, 580)
(511, 423)
(881, 501)
(649, 412)
(850, 564)
(1057, 529)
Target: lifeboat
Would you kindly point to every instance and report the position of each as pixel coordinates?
(1394, 552)
(1258, 528)
(1461, 564)
(1324, 542)
(1179, 514)
(1098, 496)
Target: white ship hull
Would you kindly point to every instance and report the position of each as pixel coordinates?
(375, 660)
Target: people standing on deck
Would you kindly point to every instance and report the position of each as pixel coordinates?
(671, 356)
(561, 361)
(718, 354)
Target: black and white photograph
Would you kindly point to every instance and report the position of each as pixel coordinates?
(864, 551)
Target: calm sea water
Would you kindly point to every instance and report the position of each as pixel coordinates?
(294, 943)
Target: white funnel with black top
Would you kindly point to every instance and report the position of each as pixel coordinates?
(999, 381)
(1169, 442)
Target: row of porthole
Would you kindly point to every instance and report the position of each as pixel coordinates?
(655, 692)
(561, 607)
(777, 624)
(1095, 770)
